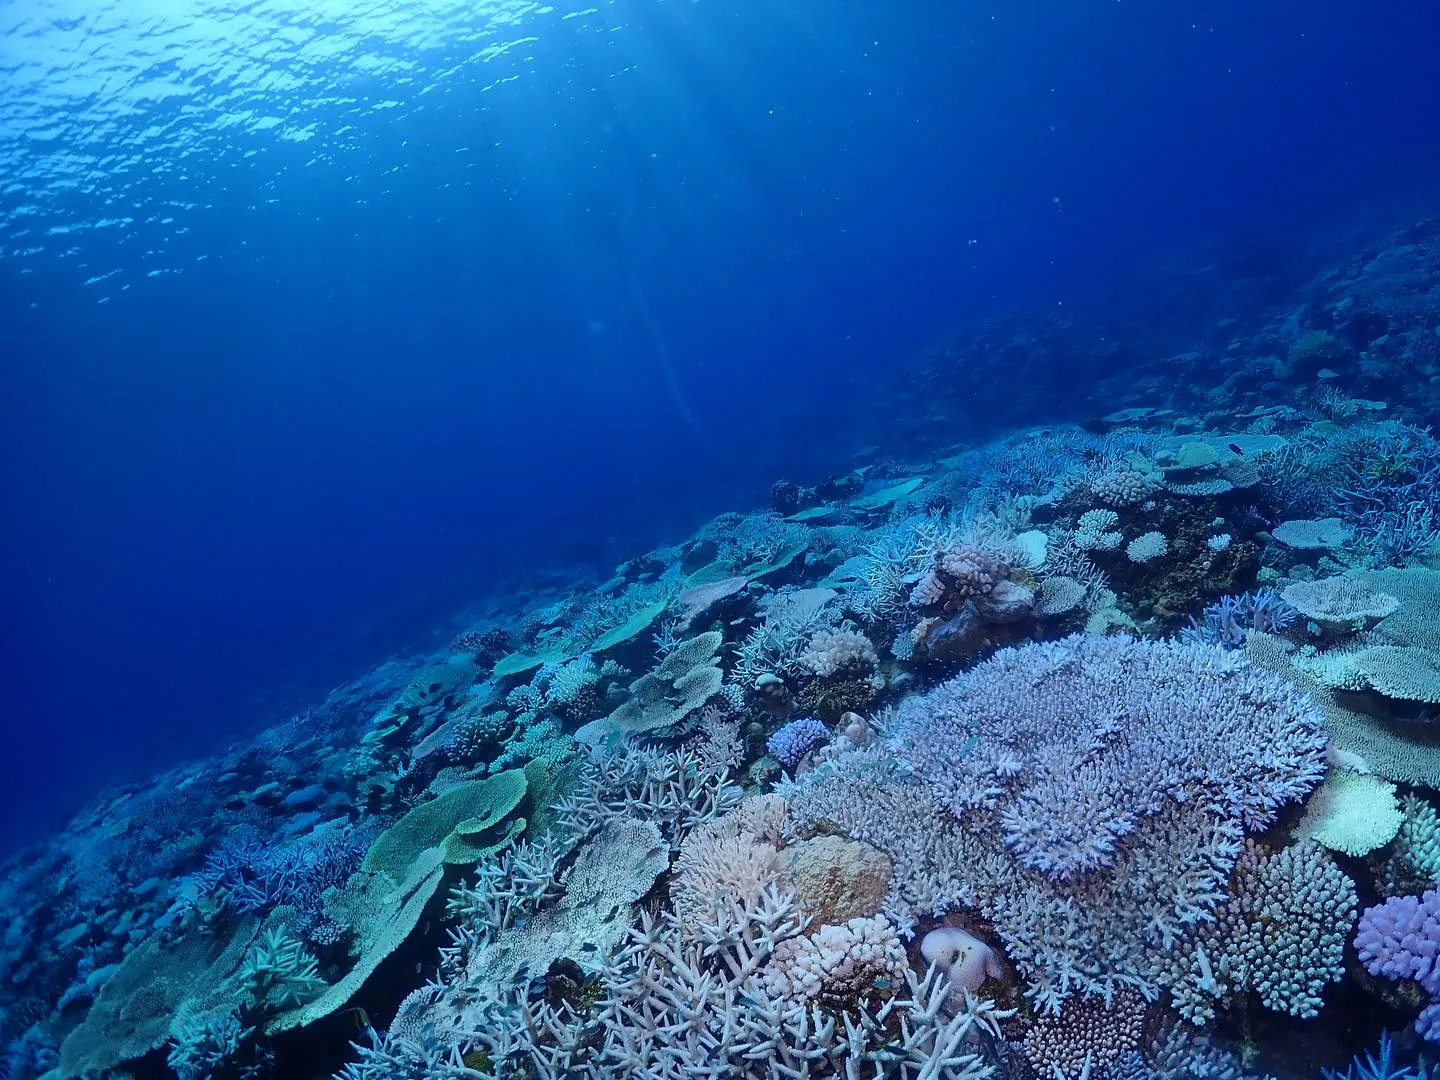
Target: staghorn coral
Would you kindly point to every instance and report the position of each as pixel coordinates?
(1230, 620)
(707, 1009)
(718, 867)
(1094, 935)
(778, 645)
(1072, 743)
(278, 974)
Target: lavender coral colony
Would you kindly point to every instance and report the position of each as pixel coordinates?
(1098, 750)
(795, 739)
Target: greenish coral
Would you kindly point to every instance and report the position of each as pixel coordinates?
(160, 988)
(1414, 863)
(535, 741)
(631, 627)
(382, 903)
(888, 496)
(1406, 672)
(1353, 813)
(1408, 753)
(685, 680)
(380, 915)
(470, 809)
(200, 1046)
(1280, 935)
(279, 974)
(611, 871)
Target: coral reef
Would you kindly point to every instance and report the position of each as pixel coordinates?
(1069, 750)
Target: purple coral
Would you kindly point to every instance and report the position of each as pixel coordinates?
(1400, 939)
(796, 739)
(1068, 746)
(1229, 620)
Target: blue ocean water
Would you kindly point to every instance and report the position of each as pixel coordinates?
(324, 322)
(317, 320)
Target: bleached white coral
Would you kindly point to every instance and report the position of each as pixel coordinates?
(841, 964)
(1127, 482)
(840, 652)
(572, 688)
(1060, 594)
(719, 867)
(1149, 546)
(1095, 531)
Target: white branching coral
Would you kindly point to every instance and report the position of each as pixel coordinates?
(734, 989)
(720, 866)
(1147, 547)
(1061, 594)
(1095, 531)
(572, 688)
(781, 642)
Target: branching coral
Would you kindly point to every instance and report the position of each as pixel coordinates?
(1399, 940)
(1281, 934)
(1097, 791)
(279, 974)
(1073, 743)
(727, 984)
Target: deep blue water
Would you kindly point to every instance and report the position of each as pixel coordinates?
(319, 324)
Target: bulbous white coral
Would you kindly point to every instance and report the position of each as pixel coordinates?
(966, 960)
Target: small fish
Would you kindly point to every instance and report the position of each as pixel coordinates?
(361, 1018)
(1236, 448)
